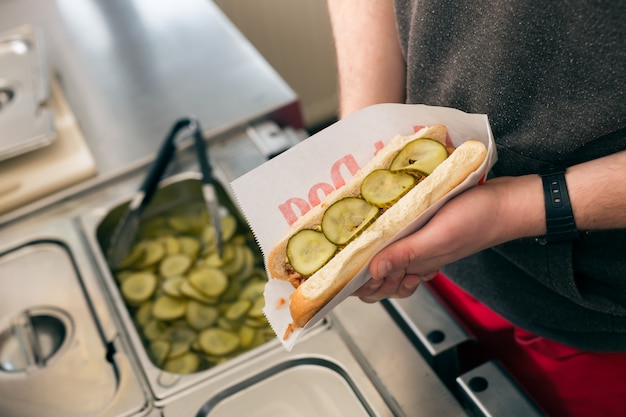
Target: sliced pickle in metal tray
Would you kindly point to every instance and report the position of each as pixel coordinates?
(193, 308)
(186, 308)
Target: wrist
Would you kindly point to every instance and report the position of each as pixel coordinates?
(522, 208)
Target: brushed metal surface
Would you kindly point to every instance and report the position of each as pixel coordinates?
(59, 355)
(322, 358)
(489, 391)
(130, 69)
(394, 362)
(26, 123)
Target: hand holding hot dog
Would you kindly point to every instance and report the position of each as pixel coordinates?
(479, 218)
(328, 245)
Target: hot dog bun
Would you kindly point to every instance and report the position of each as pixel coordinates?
(277, 257)
(314, 292)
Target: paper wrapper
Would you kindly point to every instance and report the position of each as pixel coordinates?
(274, 194)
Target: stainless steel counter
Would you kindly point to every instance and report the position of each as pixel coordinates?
(130, 68)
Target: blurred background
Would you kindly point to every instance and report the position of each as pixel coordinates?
(295, 37)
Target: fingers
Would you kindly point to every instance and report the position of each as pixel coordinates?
(402, 257)
(377, 289)
(391, 287)
(428, 276)
(397, 271)
(398, 285)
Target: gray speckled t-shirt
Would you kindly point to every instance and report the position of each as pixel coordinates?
(551, 76)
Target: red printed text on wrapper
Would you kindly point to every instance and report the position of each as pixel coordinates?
(295, 207)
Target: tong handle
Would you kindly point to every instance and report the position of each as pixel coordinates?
(168, 148)
(208, 186)
(203, 161)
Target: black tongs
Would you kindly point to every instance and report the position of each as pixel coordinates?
(125, 231)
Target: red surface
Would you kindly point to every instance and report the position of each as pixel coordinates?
(563, 381)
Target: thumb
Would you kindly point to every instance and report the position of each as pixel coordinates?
(394, 259)
(416, 254)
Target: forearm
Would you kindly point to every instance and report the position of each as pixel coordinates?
(597, 193)
(369, 59)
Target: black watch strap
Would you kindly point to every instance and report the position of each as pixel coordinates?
(560, 223)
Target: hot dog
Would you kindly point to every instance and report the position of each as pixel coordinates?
(327, 246)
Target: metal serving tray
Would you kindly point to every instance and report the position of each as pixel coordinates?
(176, 191)
(59, 356)
(26, 123)
(320, 377)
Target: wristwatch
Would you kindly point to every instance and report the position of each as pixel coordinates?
(560, 222)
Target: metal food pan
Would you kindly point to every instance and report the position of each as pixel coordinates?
(320, 377)
(181, 191)
(306, 387)
(58, 357)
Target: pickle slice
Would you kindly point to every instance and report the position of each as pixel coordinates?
(138, 287)
(168, 308)
(218, 342)
(246, 336)
(236, 262)
(121, 275)
(180, 332)
(153, 329)
(153, 252)
(421, 156)
(247, 269)
(211, 282)
(179, 348)
(174, 265)
(213, 260)
(256, 311)
(232, 292)
(257, 323)
(181, 338)
(185, 364)
(237, 310)
(160, 349)
(188, 290)
(383, 188)
(200, 316)
(170, 243)
(189, 246)
(144, 313)
(241, 265)
(309, 250)
(171, 286)
(229, 227)
(346, 218)
(225, 324)
(253, 289)
(180, 223)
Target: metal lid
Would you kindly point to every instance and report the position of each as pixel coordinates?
(25, 122)
(53, 358)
